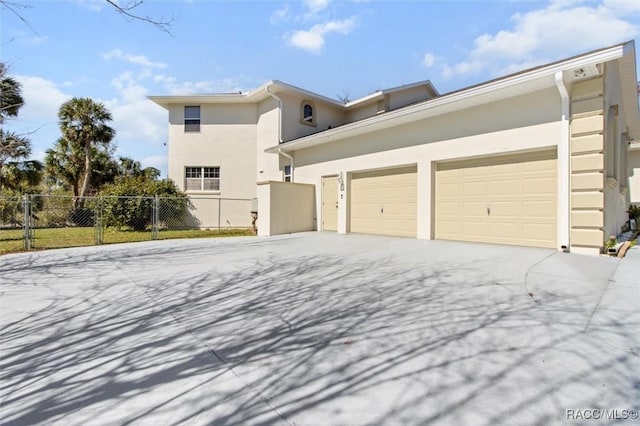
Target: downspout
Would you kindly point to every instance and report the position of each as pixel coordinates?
(564, 219)
(280, 103)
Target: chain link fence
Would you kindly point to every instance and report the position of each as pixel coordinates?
(41, 221)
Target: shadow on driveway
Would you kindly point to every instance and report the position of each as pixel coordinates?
(309, 329)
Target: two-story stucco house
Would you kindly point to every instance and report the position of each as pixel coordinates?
(537, 158)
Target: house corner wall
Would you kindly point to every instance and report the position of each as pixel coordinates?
(587, 166)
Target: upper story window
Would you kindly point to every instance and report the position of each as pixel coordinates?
(202, 178)
(308, 113)
(287, 173)
(191, 119)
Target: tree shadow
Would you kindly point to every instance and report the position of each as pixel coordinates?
(256, 332)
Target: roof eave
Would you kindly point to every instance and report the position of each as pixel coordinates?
(389, 118)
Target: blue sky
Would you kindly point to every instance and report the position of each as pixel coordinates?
(83, 48)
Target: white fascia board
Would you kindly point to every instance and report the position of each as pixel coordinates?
(252, 96)
(393, 118)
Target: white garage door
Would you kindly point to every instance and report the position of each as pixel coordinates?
(502, 200)
(384, 202)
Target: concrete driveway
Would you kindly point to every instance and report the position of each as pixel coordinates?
(317, 329)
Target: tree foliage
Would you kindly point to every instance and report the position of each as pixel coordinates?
(21, 176)
(84, 127)
(17, 174)
(10, 95)
(128, 202)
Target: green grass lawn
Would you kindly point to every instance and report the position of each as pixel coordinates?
(11, 240)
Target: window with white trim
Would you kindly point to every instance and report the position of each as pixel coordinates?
(287, 173)
(202, 178)
(191, 119)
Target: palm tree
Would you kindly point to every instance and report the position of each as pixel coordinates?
(83, 123)
(13, 146)
(10, 95)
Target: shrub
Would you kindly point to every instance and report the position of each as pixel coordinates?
(129, 202)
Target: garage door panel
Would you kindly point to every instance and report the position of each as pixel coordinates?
(474, 208)
(510, 200)
(472, 188)
(474, 227)
(385, 202)
(505, 230)
(505, 209)
(504, 187)
(449, 208)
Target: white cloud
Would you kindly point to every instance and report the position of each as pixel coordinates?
(224, 85)
(429, 60)
(313, 39)
(563, 28)
(135, 118)
(133, 59)
(42, 99)
(315, 6)
(281, 15)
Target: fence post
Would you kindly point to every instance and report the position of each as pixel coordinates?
(26, 222)
(99, 229)
(156, 217)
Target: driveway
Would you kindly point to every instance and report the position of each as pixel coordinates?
(316, 329)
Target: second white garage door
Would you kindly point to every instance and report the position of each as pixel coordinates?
(503, 200)
(384, 202)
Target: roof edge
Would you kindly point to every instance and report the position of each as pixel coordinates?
(596, 56)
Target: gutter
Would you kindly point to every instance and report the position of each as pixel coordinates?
(563, 166)
(280, 104)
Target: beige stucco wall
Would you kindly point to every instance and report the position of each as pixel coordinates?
(227, 139)
(634, 176)
(214, 213)
(529, 122)
(285, 207)
(408, 96)
(362, 111)
(268, 165)
(325, 115)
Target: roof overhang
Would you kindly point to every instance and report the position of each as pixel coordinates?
(503, 88)
(254, 96)
(277, 87)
